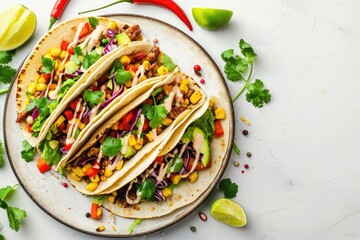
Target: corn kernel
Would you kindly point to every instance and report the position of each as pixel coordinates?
(86, 167)
(132, 140)
(146, 65)
(128, 84)
(176, 179)
(59, 121)
(115, 127)
(120, 165)
(167, 121)
(41, 87)
(32, 88)
(185, 81)
(139, 144)
(142, 78)
(55, 51)
(48, 55)
(125, 59)
(41, 80)
(149, 136)
(68, 167)
(103, 178)
(112, 25)
(162, 70)
(75, 177)
(100, 228)
(193, 177)
(111, 198)
(195, 97)
(212, 101)
(95, 179)
(78, 171)
(27, 102)
(114, 193)
(167, 89)
(185, 102)
(108, 172)
(184, 88)
(166, 192)
(220, 113)
(63, 54)
(82, 126)
(92, 186)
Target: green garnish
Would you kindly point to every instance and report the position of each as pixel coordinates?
(1, 155)
(7, 73)
(147, 189)
(28, 151)
(99, 199)
(236, 148)
(77, 53)
(156, 115)
(236, 66)
(111, 146)
(90, 59)
(93, 21)
(168, 62)
(134, 225)
(229, 188)
(6, 56)
(48, 65)
(93, 98)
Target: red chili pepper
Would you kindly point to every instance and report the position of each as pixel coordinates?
(57, 11)
(169, 4)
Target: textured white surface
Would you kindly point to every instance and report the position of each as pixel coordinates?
(303, 178)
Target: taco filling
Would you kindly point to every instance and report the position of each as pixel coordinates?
(63, 65)
(136, 129)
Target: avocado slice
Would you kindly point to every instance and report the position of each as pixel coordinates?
(122, 38)
(205, 146)
(129, 152)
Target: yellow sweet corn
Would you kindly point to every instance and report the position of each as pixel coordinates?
(195, 97)
(167, 121)
(32, 88)
(27, 102)
(220, 113)
(41, 80)
(59, 121)
(100, 228)
(114, 193)
(212, 101)
(75, 177)
(95, 178)
(139, 144)
(162, 70)
(103, 178)
(41, 87)
(48, 55)
(128, 84)
(111, 198)
(63, 54)
(125, 59)
(82, 126)
(55, 51)
(120, 165)
(146, 65)
(185, 102)
(193, 177)
(108, 172)
(185, 81)
(112, 25)
(86, 167)
(115, 127)
(78, 171)
(92, 186)
(132, 140)
(68, 167)
(149, 136)
(142, 78)
(176, 179)
(184, 87)
(166, 192)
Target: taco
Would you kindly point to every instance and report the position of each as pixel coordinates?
(72, 50)
(186, 166)
(133, 132)
(129, 72)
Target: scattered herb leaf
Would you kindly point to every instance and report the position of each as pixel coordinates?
(48, 65)
(236, 148)
(1, 155)
(93, 21)
(111, 146)
(229, 188)
(156, 115)
(134, 225)
(257, 95)
(6, 56)
(7, 74)
(28, 151)
(147, 189)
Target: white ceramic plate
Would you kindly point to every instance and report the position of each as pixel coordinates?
(69, 206)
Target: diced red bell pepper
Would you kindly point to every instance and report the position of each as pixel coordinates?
(219, 131)
(146, 125)
(71, 51)
(131, 67)
(91, 172)
(199, 166)
(29, 128)
(64, 45)
(124, 126)
(85, 31)
(68, 114)
(128, 117)
(46, 76)
(61, 127)
(159, 159)
(67, 147)
(73, 104)
(42, 165)
(95, 212)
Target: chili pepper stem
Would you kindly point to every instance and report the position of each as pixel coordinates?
(52, 21)
(106, 6)
(245, 85)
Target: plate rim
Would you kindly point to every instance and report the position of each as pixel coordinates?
(197, 203)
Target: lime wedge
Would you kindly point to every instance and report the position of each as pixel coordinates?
(211, 18)
(228, 212)
(18, 23)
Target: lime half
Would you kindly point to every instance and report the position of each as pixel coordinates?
(228, 212)
(18, 23)
(211, 18)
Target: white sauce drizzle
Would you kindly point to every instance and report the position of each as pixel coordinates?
(138, 195)
(168, 101)
(162, 172)
(73, 125)
(154, 132)
(178, 95)
(75, 41)
(93, 38)
(139, 73)
(141, 125)
(54, 94)
(125, 143)
(197, 142)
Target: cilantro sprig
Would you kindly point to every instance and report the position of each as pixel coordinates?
(111, 146)
(28, 151)
(14, 214)
(229, 188)
(93, 98)
(48, 65)
(237, 66)
(7, 73)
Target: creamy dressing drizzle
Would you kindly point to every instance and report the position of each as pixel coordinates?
(138, 195)
(125, 143)
(139, 73)
(70, 137)
(115, 163)
(93, 39)
(75, 41)
(154, 132)
(197, 141)
(54, 94)
(98, 160)
(142, 121)
(168, 101)
(178, 95)
(162, 172)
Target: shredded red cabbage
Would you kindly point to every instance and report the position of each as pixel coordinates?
(135, 119)
(110, 46)
(35, 113)
(107, 102)
(110, 33)
(86, 160)
(161, 185)
(158, 196)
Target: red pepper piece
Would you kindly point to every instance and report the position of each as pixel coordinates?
(159, 159)
(219, 131)
(69, 114)
(57, 11)
(67, 147)
(64, 45)
(91, 172)
(146, 125)
(42, 165)
(61, 127)
(85, 31)
(128, 117)
(95, 212)
(169, 4)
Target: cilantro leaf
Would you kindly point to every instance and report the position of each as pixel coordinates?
(93, 98)
(6, 56)
(247, 51)
(77, 53)
(235, 67)
(93, 21)
(6, 74)
(145, 108)
(229, 188)
(147, 189)
(123, 77)
(48, 65)
(90, 59)
(111, 146)
(257, 95)
(156, 115)
(28, 151)
(6, 190)
(52, 155)
(1, 154)
(37, 102)
(168, 62)
(15, 215)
